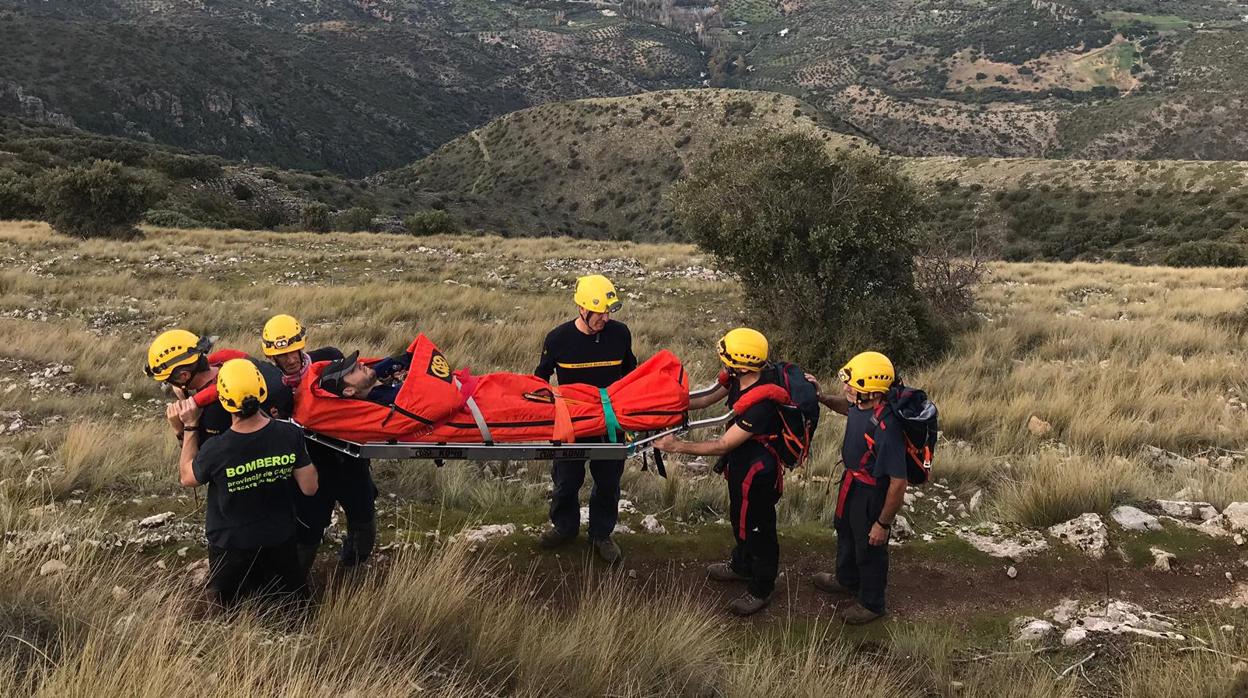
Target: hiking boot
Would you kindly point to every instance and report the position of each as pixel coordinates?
(826, 582)
(723, 572)
(748, 604)
(859, 615)
(552, 538)
(607, 550)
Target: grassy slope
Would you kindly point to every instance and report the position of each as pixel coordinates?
(599, 167)
(1159, 352)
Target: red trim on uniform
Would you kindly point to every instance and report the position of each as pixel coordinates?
(745, 495)
(847, 481)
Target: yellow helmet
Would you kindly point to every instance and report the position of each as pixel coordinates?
(596, 294)
(869, 372)
(282, 334)
(237, 380)
(744, 349)
(173, 349)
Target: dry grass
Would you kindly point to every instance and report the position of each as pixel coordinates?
(1114, 357)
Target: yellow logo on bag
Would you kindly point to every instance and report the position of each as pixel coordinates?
(439, 367)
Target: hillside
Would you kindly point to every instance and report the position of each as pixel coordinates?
(361, 86)
(353, 87)
(599, 167)
(103, 565)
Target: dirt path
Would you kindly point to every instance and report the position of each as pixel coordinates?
(921, 588)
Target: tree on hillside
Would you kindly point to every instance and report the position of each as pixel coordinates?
(824, 245)
(103, 199)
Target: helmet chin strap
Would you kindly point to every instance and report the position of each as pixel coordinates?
(585, 320)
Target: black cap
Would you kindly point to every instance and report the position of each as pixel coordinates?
(331, 377)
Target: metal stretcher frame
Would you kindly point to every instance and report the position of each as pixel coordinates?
(544, 450)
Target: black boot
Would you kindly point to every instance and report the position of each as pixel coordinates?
(307, 556)
(357, 545)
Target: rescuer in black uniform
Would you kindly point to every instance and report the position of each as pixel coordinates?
(343, 479)
(594, 350)
(252, 470)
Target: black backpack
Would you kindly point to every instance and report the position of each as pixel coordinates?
(917, 417)
(799, 419)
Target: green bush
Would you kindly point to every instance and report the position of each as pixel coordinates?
(164, 218)
(354, 219)
(184, 166)
(430, 223)
(824, 245)
(18, 198)
(103, 199)
(315, 217)
(1207, 253)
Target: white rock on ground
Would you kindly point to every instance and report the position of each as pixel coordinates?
(157, 520)
(1162, 560)
(52, 567)
(1074, 636)
(652, 525)
(976, 500)
(1113, 617)
(1012, 572)
(622, 528)
(1134, 519)
(1235, 517)
(999, 541)
(1033, 630)
(1087, 532)
(481, 534)
(1185, 510)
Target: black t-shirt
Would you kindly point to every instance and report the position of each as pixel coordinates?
(593, 359)
(762, 418)
(889, 459)
(280, 403)
(251, 488)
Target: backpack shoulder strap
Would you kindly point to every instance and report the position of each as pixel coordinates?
(760, 393)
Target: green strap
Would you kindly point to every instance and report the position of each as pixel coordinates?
(608, 412)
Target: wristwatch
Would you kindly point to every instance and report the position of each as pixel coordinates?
(883, 525)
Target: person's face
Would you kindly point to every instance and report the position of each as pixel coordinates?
(857, 397)
(595, 321)
(180, 379)
(289, 363)
(359, 381)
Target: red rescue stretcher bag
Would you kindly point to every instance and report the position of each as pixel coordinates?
(439, 405)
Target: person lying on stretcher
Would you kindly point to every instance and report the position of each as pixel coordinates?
(377, 382)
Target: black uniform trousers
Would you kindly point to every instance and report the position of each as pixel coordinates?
(604, 496)
(861, 566)
(754, 488)
(347, 481)
(236, 573)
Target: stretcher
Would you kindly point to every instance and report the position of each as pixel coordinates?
(631, 445)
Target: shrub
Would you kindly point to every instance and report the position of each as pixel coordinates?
(315, 217)
(430, 223)
(184, 166)
(103, 199)
(354, 219)
(824, 245)
(164, 218)
(1207, 253)
(18, 198)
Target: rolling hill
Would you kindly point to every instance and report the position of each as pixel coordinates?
(362, 86)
